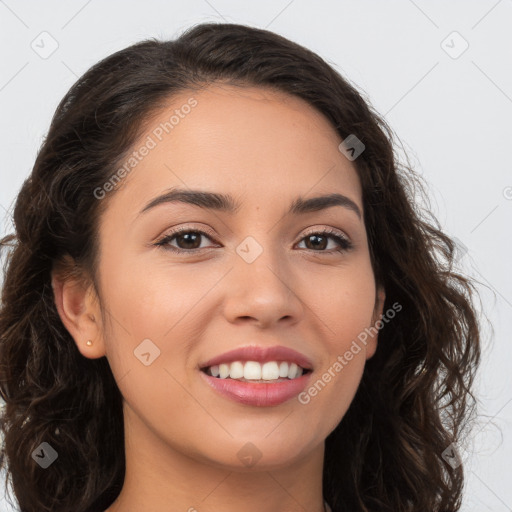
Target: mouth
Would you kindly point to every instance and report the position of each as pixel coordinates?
(258, 376)
(256, 372)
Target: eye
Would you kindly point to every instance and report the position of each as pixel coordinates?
(185, 236)
(319, 240)
(189, 240)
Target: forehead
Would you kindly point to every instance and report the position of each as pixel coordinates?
(254, 143)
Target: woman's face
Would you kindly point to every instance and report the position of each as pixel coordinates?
(263, 276)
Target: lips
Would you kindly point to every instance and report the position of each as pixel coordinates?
(258, 393)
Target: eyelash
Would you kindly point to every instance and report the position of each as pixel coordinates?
(346, 245)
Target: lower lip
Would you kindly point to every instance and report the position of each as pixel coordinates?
(260, 395)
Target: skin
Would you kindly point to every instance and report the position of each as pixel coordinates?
(182, 437)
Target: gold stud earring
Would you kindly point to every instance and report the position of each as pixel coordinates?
(88, 343)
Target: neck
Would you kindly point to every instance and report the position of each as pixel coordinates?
(160, 478)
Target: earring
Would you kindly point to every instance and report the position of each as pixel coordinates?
(88, 343)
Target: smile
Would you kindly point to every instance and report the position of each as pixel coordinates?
(255, 371)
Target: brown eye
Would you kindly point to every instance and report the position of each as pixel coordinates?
(318, 241)
(187, 240)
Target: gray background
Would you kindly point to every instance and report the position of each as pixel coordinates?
(450, 106)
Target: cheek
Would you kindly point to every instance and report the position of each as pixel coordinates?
(328, 396)
(148, 301)
(148, 341)
(345, 311)
(345, 301)
(155, 312)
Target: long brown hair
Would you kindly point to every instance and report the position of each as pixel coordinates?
(387, 452)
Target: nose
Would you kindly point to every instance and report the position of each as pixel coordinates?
(263, 292)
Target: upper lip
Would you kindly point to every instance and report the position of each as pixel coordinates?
(261, 355)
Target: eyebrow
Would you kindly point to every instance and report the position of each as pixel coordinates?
(226, 203)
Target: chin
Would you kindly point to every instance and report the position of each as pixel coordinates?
(243, 455)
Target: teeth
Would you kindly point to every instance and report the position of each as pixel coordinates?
(237, 370)
(223, 371)
(253, 370)
(270, 371)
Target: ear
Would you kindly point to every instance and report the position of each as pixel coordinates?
(78, 307)
(371, 345)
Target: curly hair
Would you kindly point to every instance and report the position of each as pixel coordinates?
(415, 397)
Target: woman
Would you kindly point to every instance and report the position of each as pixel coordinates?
(221, 296)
